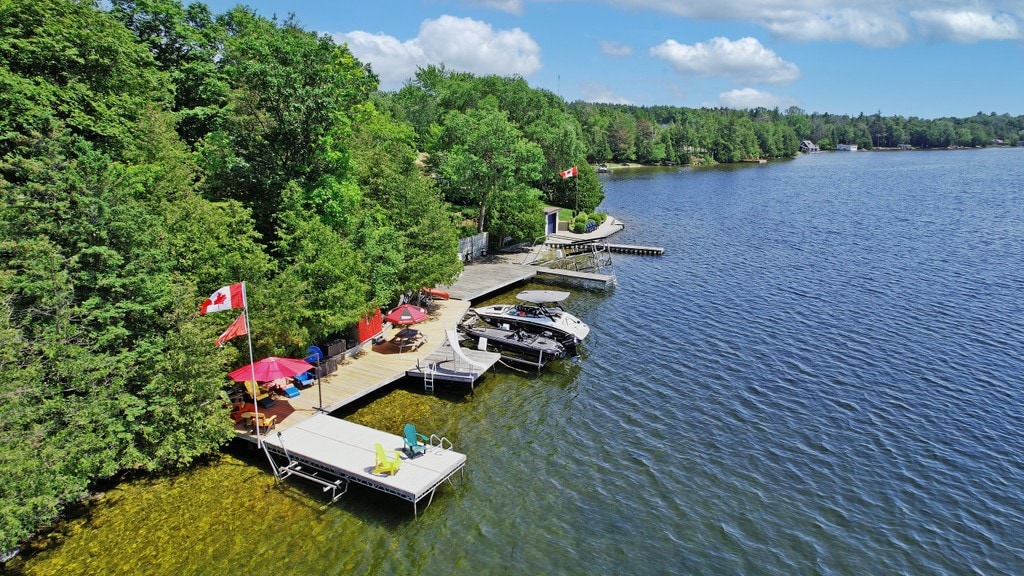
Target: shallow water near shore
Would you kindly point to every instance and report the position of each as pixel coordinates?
(822, 375)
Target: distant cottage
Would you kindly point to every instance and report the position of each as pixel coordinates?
(809, 147)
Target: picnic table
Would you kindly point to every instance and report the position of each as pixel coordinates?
(408, 339)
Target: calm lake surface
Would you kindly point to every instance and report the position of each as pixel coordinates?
(822, 375)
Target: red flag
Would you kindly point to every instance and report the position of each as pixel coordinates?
(237, 328)
(569, 173)
(226, 298)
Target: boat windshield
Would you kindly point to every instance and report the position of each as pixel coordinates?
(533, 311)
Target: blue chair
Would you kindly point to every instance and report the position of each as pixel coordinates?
(308, 378)
(415, 443)
(305, 380)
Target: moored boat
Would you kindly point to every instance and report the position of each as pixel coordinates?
(537, 312)
(537, 347)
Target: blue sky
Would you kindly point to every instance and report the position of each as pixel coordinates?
(925, 58)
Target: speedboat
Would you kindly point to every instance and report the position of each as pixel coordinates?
(538, 312)
(516, 341)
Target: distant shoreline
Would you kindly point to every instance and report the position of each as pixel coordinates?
(613, 166)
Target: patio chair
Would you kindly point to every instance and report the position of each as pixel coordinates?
(266, 422)
(415, 443)
(308, 378)
(385, 463)
(304, 380)
(258, 394)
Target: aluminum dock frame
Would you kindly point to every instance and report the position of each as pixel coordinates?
(345, 452)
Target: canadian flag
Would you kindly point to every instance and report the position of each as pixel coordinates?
(569, 173)
(237, 328)
(226, 298)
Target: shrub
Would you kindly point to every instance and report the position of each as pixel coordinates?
(599, 217)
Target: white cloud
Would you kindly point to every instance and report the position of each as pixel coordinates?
(460, 44)
(871, 28)
(751, 98)
(864, 21)
(869, 22)
(967, 27)
(471, 45)
(595, 92)
(394, 61)
(743, 60)
(613, 48)
(510, 6)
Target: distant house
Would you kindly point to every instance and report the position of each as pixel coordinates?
(809, 147)
(847, 147)
(905, 147)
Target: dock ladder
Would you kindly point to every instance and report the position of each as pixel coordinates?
(428, 379)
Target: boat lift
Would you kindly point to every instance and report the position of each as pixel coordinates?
(338, 487)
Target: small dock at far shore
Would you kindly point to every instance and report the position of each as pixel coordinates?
(570, 247)
(639, 250)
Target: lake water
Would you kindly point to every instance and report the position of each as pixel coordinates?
(822, 375)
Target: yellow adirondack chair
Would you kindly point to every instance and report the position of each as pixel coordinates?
(385, 463)
(255, 391)
(266, 422)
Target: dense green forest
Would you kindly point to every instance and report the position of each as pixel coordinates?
(659, 134)
(152, 152)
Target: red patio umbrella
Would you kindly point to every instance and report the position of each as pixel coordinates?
(406, 314)
(270, 368)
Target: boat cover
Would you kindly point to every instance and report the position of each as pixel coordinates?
(542, 296)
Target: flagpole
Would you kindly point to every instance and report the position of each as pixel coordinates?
(577, 192)
(252, 367)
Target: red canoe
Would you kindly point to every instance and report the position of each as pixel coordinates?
(435, 293)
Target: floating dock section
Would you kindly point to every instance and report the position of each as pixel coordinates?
(639, 250)
(453, 363)
(344, 450)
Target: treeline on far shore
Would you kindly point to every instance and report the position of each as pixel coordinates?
(657, 134)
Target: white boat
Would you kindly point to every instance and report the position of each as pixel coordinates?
(540, 312)
(517, 346)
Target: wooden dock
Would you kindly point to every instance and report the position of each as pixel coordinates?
(377, 367)
(344, 450)
(494, 274)
(574, 279)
